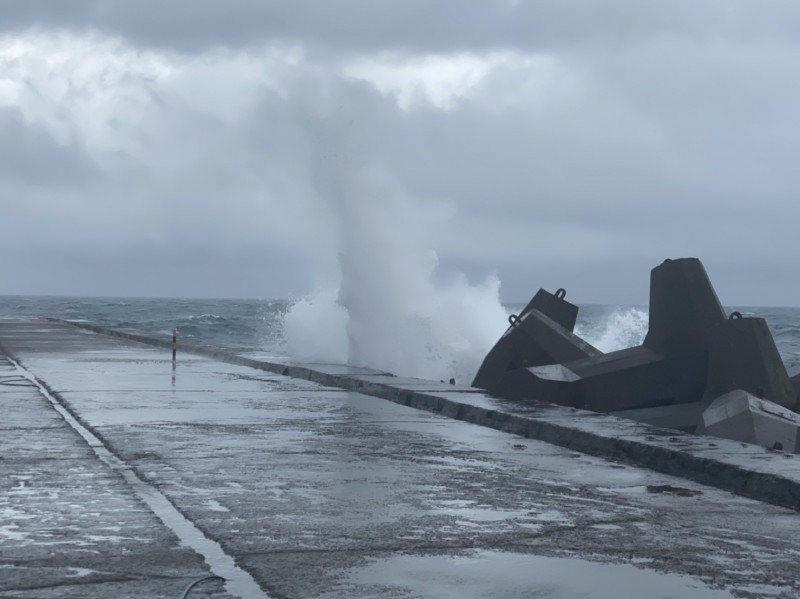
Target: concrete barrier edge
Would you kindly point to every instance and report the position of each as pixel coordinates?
(769, 487)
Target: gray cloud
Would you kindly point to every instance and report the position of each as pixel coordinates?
(30, 155)
(412, 25)
(615, 135)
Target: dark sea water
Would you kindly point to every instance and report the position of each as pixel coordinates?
(259, 324)
(249, 324)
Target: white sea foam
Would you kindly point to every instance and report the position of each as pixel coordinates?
(315, 328)
(395, 309)
(620, 328)
(392, 306)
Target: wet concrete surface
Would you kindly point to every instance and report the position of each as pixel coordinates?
(319, 492)
(69, 526)
(760, 473)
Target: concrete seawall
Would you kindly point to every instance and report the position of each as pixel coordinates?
(130, 475)
(747, 470)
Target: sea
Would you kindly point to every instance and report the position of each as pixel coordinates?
(261, 326)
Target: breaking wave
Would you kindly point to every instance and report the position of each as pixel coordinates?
(394, 308)
(615, 329)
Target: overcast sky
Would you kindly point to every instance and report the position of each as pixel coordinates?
(197, 147)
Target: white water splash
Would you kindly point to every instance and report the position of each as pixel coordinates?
(619, 329)
(394, 309)
(315, 328)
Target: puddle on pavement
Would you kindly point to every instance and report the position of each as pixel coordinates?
(485, 574)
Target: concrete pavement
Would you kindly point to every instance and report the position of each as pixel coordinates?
(750, 470)
(319, 492)
(70, 526)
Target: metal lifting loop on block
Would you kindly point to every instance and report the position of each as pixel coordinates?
(735, 316)
(561, 293)
(513, 320)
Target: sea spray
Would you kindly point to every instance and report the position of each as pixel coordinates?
(394, 309)
(315, 329)
(615, 329)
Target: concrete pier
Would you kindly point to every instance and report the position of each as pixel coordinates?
(322, 491)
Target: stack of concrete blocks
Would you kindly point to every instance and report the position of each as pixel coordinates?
(749, 395)
(696, 370)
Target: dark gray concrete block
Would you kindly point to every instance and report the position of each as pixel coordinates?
(684, 308)
(669, 368)
(639, 378)
(554, 306)
(741, 416)
(557, 343)
(535, 339)
(692, 354)
(628, 379)
(743, 355)
(794, 378)
(553, 382)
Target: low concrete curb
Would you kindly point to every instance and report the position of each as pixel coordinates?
(748, 470)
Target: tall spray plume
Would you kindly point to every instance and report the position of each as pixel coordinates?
(394, 309)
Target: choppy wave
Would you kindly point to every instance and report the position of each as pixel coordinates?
(208, 317)
(247, 324)
(613, 328)
(318, 334)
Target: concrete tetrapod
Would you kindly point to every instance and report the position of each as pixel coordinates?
(635, 379)
(692, 355)
(741, 416)
(684, 308)
(668, 369)
(743, 355)
(794, 378)
(541, 334)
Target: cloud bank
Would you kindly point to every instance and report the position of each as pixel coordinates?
(175, 149)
